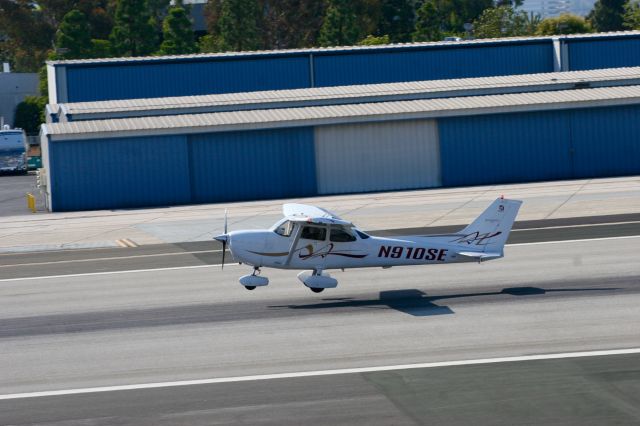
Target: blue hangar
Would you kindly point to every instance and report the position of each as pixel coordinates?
(155, 149)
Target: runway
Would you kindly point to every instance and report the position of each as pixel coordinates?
(124, 328)
(194, 254)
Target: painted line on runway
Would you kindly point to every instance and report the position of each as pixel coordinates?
(175, 268)
(94, 259)
(222, 380)
(573, 241)
(583, 225)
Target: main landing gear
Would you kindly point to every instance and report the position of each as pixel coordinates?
(317, 281)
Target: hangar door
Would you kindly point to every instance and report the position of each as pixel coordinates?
(377, 156)
(251, 165)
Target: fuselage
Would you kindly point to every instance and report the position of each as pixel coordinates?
(266, 248)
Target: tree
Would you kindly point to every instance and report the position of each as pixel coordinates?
(502, 21)
(238, 25)
(563, 24)
(607, 15)
(290, 23)
(372, 40)
(398, 20)
(158, 10)
(28, 34)
(100, 48)
(73, 36)
(632, 15)
(428, 23)
(132, 34)
(30, 114)
(438, 18)
(339, 27)
(177, 37)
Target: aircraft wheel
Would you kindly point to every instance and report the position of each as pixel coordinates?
(317, 289)
(250, 287)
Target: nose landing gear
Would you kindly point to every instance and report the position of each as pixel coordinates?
(250, 282)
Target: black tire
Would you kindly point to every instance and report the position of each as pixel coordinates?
(317, 289)
(250, 287)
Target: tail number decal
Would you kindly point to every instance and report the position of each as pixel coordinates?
(418, 253)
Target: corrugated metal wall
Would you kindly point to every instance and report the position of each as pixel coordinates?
(606, 141)
(153, 79)
(591, 53)
(505, 148)
(150, 79)
(432, 63)
(377, 156)
(252, 165)
(525, 147)
(119, 173)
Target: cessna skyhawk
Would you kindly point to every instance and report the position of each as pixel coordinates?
(315, 240)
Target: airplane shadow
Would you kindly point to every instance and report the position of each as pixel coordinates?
(417, 303)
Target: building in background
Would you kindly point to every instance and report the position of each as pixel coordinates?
(347, 139)
(13, 89)
(233, 72)
(550, 8)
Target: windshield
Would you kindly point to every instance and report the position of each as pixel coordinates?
(284, 228)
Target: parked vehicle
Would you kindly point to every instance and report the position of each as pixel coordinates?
(13, 150)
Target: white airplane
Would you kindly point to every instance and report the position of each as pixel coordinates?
(316, 240)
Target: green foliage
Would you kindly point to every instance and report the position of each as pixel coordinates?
(428, 23)
(30, 114)
(607, 15)
(133, 34)
(73, 36)
(398, 20)
(292, 23)
(29, 34)
(437, 18)
(157, 11)
(238, 25)
(100, 48)
(631, 18)
(563, 24)
(177, 37)
(339, 27)
(502, 21)
(209, 44)
(372, 40)
(43, 82)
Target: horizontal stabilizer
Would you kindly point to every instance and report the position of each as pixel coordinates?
(480, 256)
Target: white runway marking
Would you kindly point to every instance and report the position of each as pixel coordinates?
(116, 272)
(94, 259)
(174, 268)
(320, 373)
(573, 241)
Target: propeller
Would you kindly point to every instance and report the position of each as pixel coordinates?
(224, 238)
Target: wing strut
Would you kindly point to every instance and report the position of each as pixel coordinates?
(292, 248)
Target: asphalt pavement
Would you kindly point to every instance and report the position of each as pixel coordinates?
(113, 327)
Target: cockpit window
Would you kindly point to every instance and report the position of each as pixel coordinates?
(362, 235)
(340, 235)
(314, 233)
(285, 228)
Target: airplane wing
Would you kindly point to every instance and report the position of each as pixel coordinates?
(311, 214)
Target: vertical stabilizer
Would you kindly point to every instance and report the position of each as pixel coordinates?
(489, 232)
